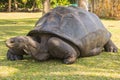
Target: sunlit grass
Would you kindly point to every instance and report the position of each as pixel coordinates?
(105, 66)
(114, 27)
(6, 71)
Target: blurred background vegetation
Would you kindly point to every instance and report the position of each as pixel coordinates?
(103, 8)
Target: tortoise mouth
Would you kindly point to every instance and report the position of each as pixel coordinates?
(9, 45)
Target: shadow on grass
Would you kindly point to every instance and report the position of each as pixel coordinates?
(12, 31)
(17, 21)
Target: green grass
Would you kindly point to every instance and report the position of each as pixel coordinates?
(105, 66)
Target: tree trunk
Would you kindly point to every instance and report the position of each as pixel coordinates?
(16, 5)
(93, 6)
(46, 6)
(9, 5)
(83, 4)
(34, 6)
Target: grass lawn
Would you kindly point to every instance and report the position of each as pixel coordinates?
(105, 66)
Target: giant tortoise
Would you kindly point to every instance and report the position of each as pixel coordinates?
(66, 33)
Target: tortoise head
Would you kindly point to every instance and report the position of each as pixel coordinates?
(22, 43)
(16, 42)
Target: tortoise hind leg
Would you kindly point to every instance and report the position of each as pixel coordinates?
(60, 49)
(110, 47)
(95, 51)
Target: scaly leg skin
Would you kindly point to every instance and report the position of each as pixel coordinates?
(94, 52)
(110, 47)
(12, 56)
(41, 56)
(60, 49)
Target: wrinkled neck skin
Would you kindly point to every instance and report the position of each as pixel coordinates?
(31, 46)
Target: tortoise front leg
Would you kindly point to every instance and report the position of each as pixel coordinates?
(60, 49)
(11, 55)
(40, 56)
(110, 47)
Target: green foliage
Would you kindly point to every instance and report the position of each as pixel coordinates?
(105, 66)
(73, 1)
(29, 3)
(3, 4)
(3, 1)
(39, 3)
(56, 3)
(24, 1)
